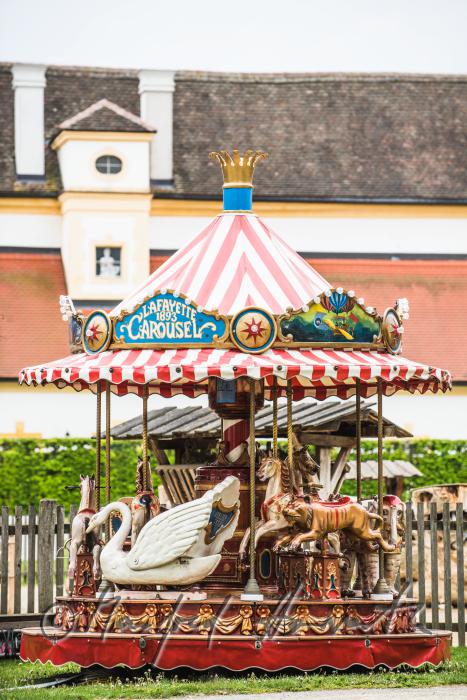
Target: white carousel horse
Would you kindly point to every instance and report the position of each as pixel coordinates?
(79, 537)
(279, 493)
(176, 548)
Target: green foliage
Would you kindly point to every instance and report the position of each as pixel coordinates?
(35, 469)
(440, 461)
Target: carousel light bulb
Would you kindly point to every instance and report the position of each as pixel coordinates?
(328, 292)
(65, 317)
(317, 300)
(339, 290)
(351, 293)
(400, 330)
(164, 291)
(305, 308)
(361, 301)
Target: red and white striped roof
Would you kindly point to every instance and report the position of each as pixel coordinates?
(318, 373)
(235, 262)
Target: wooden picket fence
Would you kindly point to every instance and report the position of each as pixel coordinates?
(34, 561)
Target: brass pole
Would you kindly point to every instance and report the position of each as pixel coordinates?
(290, 430)
(274, 418)
(107, 454)
(252, 590)
(145, 439)
(381, 585)
(98, 444)
(358, 438)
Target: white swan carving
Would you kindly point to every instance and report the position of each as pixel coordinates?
(174, 548)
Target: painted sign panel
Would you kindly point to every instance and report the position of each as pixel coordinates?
(335, 318)
(169, 320)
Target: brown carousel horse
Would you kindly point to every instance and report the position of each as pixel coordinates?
(145, 505)
(79, 539)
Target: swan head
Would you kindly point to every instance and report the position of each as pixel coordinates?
(96, 521)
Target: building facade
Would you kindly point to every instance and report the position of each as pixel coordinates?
(105, 173)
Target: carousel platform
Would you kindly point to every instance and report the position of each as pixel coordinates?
(233, 634)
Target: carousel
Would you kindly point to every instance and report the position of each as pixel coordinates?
(264, 568)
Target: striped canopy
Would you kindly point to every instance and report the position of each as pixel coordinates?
(318, 373)
(235, 262)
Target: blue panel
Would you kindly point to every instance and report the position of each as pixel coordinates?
(238, 198)
(168, 320)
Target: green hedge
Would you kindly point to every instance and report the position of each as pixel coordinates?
(35, 469)
(440, 461)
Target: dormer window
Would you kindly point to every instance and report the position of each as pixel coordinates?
(108, 165)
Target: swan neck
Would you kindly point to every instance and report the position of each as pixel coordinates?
(118, 540)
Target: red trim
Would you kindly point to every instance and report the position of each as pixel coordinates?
(238, 654)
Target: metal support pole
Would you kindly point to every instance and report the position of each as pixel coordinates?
(252, 590)
(290, 430)
(98, 444)
(358, 427)
(381, 586)
(107, 454)
(146, 479)
(274, 419)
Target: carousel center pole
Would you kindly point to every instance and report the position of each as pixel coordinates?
(381, 587)
(252, 590)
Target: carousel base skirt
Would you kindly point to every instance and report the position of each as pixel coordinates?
(236, 653)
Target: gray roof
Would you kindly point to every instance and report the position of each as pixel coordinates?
(391, 468)
(330, 136)
(331, 416)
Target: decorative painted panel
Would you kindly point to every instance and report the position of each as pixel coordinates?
(169, 320)
(333, 318)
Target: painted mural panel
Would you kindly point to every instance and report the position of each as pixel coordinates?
(332, 318)
(169, 320)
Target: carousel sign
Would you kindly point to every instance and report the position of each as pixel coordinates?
(166, 319)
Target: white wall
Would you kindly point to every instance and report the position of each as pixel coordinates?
(30, 230)
(323, 235)
(55, 412)
(78, 166)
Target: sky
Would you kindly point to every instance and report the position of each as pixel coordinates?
(413, 36)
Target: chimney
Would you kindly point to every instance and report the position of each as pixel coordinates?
(156, 89)
(28, 84)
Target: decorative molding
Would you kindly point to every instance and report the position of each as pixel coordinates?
(65, 136)
(327, 210)
(207, 208)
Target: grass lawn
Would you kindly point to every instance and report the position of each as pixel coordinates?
(14, 674)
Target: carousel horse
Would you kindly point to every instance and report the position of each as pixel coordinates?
(280, 491)
(305, 467)
(176, 548)
(79, 537)
(145, 505)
